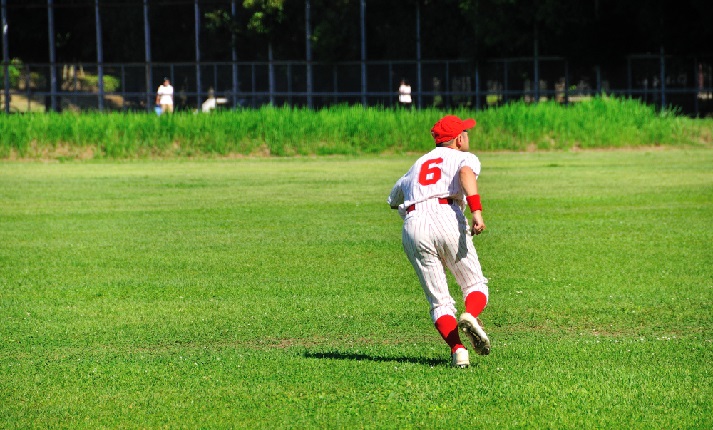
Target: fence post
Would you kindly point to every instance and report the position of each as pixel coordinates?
(629, 80)
(447, 92)
(271, 74)
(234, 56)
(662, 64)
(477, 88)
(697, 74)
(419, 86)
(100, 57)
(308, 49)
(147, 56)
(536, 66)
(566, 82)
(506, 78)
(390, 76)
(197, 19)
(252, 85)
(363, 50)
(28, 88)
(5, 57)
(53, 55)
(123, 88)
(335, 83)
(289, 83)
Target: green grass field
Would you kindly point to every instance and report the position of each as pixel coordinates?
(274, 293)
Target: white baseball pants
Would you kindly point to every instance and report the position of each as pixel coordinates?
(437, 235)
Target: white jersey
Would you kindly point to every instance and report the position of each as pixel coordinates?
(165, 93)
(434, 175)
(405, 93)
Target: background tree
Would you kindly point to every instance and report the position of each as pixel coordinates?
(590, 31)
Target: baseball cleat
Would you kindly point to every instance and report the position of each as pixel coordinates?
(473, 328)
(460, 358)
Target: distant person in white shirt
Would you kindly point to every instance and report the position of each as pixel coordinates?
(164, 96)
(404, 94)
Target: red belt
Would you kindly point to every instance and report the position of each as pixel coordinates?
(441, 201)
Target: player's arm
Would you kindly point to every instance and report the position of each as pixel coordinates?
(396, 197)
(469, 182)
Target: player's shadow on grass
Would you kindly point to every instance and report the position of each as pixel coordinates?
(336, 355)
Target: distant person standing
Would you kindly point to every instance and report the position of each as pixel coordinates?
(404, 94)
(164, 96)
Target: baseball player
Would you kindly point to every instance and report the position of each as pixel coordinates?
(431, 198)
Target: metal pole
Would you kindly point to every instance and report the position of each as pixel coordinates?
(536, 61)
(662, 64)
(506, 79)
(234, 53)
(477, 87)
(419, 85)
(335, 83)
(566, 82)
(628, 76)
(363, 51)
(390, 79)
(252, 85)
(100, 56)
(697, 68)
(123, 87)
(5, 57)
(271, 74)
(289, 84)
(27, 88)
(215, 81)
(198, 53)
(53, 55)
(308, 50)
(447, 91)
(147, 56)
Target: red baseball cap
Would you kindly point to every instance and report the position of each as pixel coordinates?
(449, 127)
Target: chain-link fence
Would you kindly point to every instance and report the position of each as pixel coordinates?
(682, 82)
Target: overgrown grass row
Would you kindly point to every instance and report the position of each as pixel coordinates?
(348, 130)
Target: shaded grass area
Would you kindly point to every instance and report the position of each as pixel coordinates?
(342, 130)
(274, 293)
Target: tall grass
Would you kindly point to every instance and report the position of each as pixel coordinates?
(598, 123)
(284, 131)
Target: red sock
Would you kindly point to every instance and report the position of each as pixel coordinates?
(475, 303)
(447, 326)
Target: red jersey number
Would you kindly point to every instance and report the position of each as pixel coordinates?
(430, 171)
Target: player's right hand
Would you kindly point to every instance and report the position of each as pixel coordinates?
(478, 223)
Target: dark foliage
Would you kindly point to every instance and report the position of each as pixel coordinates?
(587, 30)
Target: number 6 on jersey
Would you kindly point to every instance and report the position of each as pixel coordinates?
(430, 171)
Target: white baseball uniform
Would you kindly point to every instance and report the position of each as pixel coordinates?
(435, 233)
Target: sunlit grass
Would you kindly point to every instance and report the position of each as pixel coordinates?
(274, 293)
